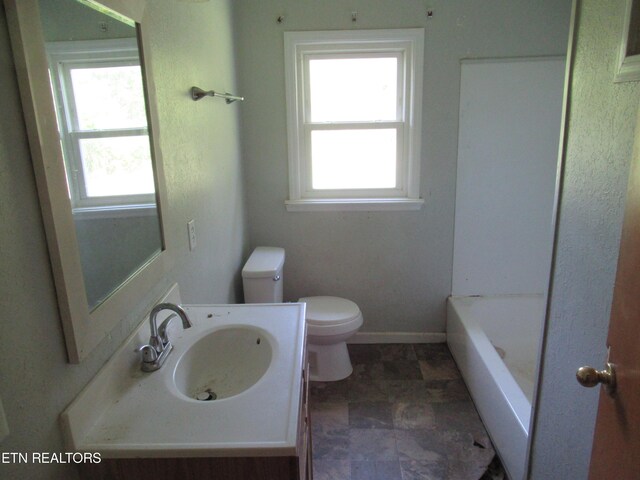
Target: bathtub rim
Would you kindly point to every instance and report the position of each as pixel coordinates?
(518, 401)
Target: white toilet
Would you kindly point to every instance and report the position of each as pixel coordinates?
(330, 320)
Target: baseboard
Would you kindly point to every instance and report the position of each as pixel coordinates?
(398, 337)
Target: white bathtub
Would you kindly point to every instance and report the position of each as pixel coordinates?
(479, 331)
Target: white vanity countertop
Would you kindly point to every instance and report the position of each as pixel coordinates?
(124, 412)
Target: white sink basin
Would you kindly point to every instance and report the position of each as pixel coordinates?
(250, 356)
(223, 363)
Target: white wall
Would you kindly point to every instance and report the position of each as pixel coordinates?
(191, 44)
(510, 115)
(602, 118)
(397, 266)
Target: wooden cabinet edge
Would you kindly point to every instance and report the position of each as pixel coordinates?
(299, 467)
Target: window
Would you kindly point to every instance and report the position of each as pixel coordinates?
(354, 102)
(102, 122)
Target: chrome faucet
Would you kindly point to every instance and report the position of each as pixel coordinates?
(157, 350)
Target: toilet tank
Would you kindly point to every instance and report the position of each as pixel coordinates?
(262, 275)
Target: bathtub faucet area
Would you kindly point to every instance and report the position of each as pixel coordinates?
(157, 350)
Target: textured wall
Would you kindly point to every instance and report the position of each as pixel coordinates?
(192, 44)
(396, 265)
(601, 124)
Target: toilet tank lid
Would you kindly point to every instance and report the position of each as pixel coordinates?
(264, 262)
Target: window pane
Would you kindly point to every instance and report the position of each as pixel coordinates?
(353, 159)
(353, 89)
(117, 166)
(109, 97)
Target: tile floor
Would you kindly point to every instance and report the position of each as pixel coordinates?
(404, 414)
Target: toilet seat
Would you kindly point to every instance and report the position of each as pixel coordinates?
(331, 316)
(325, 311)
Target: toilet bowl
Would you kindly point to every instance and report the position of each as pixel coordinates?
(330, 320)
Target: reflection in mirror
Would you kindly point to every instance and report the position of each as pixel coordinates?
(633, 37)
(629, 57)
(97, 83)
(103, 223)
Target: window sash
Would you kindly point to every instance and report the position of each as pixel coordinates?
(76, 173)
(307, 161)
(401, 96)
(66, 84)
(300, 48)
(308, 126)
(63, 58)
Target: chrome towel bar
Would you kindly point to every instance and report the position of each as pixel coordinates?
(198, 93)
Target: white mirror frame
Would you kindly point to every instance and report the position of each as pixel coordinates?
(628, 66)
(83, 329)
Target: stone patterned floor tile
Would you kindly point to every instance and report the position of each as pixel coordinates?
(363, 353)
(406, 390)
(424, 444)
(331, 469)
(367, 371)
(330, 431)
(412, 416)
(330, 415)
(330, 445)
(400, 370)
(433, 352)
(328, 391)
(468, 458)
(392, 352)
(465, 456)
(440, 371)
(442, 391)
(461, 417)
(404, 414)
(366, 391)
(367, 444)
(469, 463)
(424, 470)
(370, 415)
(372, 470)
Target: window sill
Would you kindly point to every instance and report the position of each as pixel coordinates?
(115, 211)
(354, 205)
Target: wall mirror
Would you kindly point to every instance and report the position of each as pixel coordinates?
(629, 57)
(90, 110)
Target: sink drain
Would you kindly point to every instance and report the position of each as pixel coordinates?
(206, 396)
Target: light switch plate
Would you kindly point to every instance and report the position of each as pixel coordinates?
(191, 225)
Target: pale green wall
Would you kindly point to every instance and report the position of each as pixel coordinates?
(396, 266)
(70, 20)
(602, 118)
(192, 44)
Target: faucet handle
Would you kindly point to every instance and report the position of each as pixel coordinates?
(163, 332)
(149, 354)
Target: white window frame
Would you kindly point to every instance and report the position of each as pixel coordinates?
(405, 44)
(62, 58)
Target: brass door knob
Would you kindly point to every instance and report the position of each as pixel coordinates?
(590, 377)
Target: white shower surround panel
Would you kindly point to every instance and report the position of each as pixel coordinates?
(510, 113)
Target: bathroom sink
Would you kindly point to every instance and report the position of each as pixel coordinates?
(249, 357)
(223, 363)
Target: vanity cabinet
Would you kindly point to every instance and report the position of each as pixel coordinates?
(297, 467)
